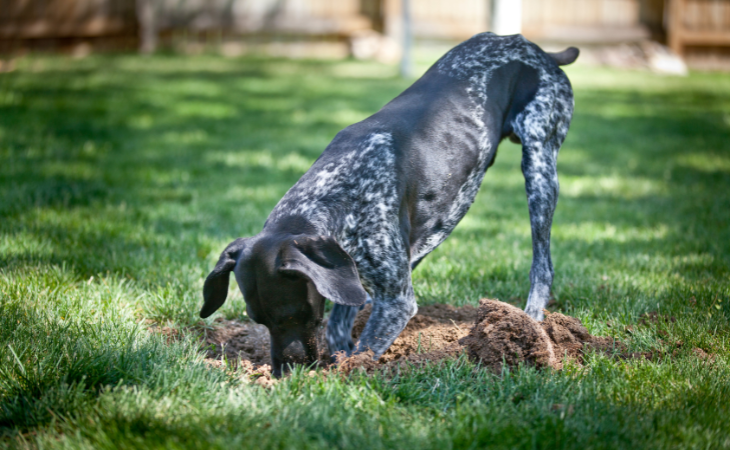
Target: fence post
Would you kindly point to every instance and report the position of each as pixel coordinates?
(676, 26)
(147, 26)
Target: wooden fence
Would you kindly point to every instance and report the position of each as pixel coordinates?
(307, 17)
(33, 19)
(698, 23)
(449, 19)
(596, 21)
(691, 23)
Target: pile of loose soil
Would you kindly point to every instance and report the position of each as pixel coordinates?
(432, 334)
(506, 335)
(435, 328)
(495, 334)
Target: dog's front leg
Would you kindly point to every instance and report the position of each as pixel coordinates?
(388, 318)
(339, 328)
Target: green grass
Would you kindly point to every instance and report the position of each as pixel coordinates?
(122, 178)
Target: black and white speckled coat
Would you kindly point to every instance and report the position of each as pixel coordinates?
(388, 190)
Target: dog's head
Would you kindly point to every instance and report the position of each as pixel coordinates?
(285, 279)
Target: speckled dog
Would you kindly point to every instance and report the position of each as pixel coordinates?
(388, 190)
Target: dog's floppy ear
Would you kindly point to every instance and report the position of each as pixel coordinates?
(327, 265)
(215, 289)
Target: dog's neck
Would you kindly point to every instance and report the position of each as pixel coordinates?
(292, 224)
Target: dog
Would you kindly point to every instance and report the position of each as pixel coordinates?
(388, 190)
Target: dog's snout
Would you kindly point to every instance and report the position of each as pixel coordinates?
(291, 350)
(294, 352)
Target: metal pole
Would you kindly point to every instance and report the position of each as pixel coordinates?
(406, 64)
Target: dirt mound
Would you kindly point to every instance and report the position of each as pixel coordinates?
(504, 334)
(496, 333)
(431, 335)
(434, 328)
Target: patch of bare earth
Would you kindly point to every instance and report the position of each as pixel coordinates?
(232, 344)
(495, 334)
(434, 329)
(243, 346)
(238, 340)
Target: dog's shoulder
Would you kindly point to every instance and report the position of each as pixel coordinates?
(358, 159)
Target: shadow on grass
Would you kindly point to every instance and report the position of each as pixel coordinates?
(145, 168)
(113, 160)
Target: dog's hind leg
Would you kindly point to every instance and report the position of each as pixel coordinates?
(541, 184)
(542, 129)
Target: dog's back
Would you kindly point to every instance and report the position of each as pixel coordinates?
(411, 171)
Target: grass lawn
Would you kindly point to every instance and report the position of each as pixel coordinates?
(122, 178)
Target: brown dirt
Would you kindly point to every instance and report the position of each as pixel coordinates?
(259, 374)
(245, 346)
(496, 333)
(434, 328)
(504, 334)
(703, 355)
(238, 340)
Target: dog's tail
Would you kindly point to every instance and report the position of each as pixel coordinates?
(567, 56)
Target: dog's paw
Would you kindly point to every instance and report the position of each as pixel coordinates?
(535, 313)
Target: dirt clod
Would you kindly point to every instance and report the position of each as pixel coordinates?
(703, 355)
(259, 374)
(504, 334)
(361, 361)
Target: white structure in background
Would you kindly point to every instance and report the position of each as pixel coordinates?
(406, 62)
(506, 17)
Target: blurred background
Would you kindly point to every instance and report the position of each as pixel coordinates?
(659, 34)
